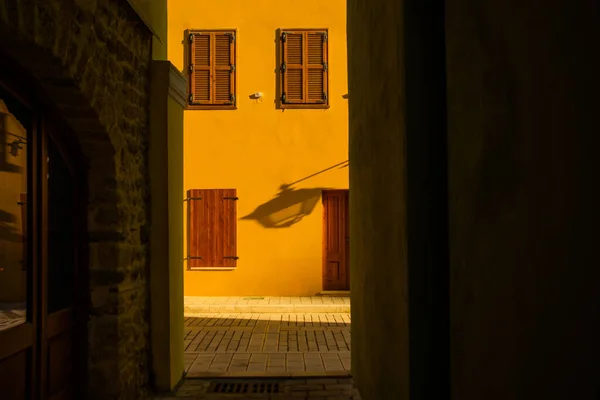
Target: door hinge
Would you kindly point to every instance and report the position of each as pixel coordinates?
(325, 66)
(231, 101)
(283, 37)
(191, 68)
(231, 198)
(283, 67)
(193, 198)
(191, 38)
(325, 38)
(193, 258)
(231, 37)
(231, 257)
(232, 68)
(283, 98)
(191, 98)
(324, 96)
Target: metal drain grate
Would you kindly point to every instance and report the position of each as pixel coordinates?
(244, 387)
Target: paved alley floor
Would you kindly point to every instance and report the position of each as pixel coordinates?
(297, 389)
(267, 304)
(267, 344)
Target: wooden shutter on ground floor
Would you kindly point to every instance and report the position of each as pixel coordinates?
(212, 69)
(212, 228)
(304, 67)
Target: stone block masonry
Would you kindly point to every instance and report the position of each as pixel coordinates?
(89, 60)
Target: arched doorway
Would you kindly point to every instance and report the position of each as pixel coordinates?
(42, 224)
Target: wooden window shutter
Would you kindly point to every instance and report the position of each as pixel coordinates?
(200, 69)
(304, 67)
(292, 67)
(212, 228)
(224, 68)
(316, 67)
(212, 69)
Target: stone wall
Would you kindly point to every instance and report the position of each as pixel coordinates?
(91, 59)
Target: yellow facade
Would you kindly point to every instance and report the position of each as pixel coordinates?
(257, 148)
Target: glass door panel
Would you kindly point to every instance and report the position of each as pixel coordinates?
(17, 336)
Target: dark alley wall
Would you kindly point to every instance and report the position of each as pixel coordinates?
(398, 199)
(523, 136)
(377, 202)
(522, 94)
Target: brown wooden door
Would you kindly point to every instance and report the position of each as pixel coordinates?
(41, 332)
(336, 238)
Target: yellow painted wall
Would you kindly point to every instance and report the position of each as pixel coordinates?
(257, 147)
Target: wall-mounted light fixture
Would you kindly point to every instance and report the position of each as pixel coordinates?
(257, 96)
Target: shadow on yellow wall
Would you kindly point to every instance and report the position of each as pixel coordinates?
(290, 205)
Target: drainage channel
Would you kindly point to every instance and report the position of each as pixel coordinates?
(266, 388)
(245, 387)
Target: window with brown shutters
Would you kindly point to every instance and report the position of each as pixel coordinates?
(211, 69)
(304, 69)
(211, 228)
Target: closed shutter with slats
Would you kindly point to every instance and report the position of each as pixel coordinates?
(200, 69)
(212, 228)
(304, 69)
(211, 69)
(293, 67)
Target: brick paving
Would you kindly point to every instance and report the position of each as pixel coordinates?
(261, 345)
(298, 389)
(216, 300)
(267, 304)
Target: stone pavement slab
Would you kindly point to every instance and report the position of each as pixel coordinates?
(261, 345)
(266, 304)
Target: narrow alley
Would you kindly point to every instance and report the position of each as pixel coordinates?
(253, 342)
(173, 173)
(267, 347)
